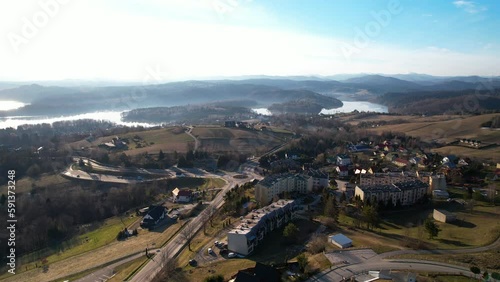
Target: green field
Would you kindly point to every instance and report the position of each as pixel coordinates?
(479, 228)
(89, 241)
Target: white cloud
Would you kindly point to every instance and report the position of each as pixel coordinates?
(427, 15)
(469, 6)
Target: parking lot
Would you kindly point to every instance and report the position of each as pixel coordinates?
(350, 256)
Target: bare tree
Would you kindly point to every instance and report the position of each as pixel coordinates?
(211, 211)
(204, 216)
(187, 233)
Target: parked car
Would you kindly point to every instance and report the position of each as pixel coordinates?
(231, 255)
(210, 251)
(193, 262)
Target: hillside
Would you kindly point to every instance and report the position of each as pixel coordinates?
(439, 102)
(447, 129)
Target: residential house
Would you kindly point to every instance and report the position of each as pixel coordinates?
(343, 159)
(400, 162)
(230, 123)
(182, 196)
(343, 171)
(153, 217)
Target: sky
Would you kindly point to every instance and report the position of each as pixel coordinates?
(165, 40)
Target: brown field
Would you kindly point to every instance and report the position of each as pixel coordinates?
(444, 129)
(216, 139)
(355, 119)
(492, 153)
(166, 139)
(447, 130)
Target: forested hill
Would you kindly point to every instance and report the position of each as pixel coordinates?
(439, 102)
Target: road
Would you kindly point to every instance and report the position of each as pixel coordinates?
(170, 250)
(196, 140)
(348, 271)
(380, 262)
(107, 272)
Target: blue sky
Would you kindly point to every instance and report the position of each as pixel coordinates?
(162, 40)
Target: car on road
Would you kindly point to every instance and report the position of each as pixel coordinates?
(231, 255)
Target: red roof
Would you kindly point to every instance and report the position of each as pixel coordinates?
(403, 161)
(343, 168)
(185, 193)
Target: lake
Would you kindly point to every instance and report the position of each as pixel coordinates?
(10, 105)
(15, 121)
(361, 106)
(115, 116)
(349, 106)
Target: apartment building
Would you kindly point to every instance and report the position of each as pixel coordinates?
(254, 226)
(437, 181)
(406, 193)
(276, 184)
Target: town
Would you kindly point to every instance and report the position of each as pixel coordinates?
(295, 212)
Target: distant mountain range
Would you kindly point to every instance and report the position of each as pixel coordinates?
(284, 92)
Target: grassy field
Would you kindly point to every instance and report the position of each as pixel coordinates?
(196, 183)
(227, 268)
(123, 271)
(25, 184)
(433, 277)
(447, 130)
(113, 250)
(479, 228)
(492, 153)
(151, 141)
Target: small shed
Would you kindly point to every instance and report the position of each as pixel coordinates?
(341, 241)
(443, 216)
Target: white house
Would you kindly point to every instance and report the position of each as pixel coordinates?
(182, 196)
(343, 159)
(343, 171)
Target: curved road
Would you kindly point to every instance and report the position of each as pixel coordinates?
(380, 262)
(150, 270)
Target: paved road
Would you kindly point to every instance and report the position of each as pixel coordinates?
(107, 272)
(170, 250)
(413, 265)
(380, 262)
